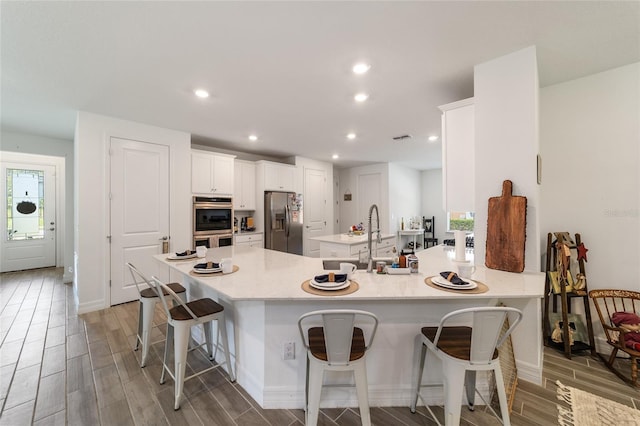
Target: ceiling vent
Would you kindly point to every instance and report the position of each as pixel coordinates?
(401, 138)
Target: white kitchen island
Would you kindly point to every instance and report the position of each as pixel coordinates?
(347, 245)
(264, 299)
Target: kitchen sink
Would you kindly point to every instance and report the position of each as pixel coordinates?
(334, 264)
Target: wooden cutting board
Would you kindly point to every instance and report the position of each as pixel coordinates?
(506, 231)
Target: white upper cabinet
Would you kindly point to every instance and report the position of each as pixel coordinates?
(211, 173)
(244, 196)
(458, 130)
(279, 177)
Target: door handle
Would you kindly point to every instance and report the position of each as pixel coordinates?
(165, 244)
(287, 223)
(52, 229)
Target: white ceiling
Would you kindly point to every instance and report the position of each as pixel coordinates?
(282, 70)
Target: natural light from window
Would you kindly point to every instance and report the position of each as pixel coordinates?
(25, 204)
(460, 221)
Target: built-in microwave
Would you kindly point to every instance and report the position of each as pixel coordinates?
(212, 215)
(212, 221)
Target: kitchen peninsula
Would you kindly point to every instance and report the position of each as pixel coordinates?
(264, 299)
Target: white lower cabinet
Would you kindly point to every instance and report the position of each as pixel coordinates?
(333, 249)
(385, 248)
(251, 240)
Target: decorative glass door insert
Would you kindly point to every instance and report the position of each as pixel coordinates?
(25, 204)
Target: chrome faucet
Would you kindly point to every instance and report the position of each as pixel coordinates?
(370, 234)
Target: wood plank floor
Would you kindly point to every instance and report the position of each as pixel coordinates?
(57, 367)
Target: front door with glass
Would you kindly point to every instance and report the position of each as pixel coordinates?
(29, 241)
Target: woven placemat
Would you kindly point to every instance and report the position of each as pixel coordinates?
(482, 287)
(353, 287)
(188, 259)
(236, 268)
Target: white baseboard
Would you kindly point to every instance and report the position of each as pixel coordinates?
(67, 277)
(292, 398)
(529, 372)
(95, 305)
(252, 386)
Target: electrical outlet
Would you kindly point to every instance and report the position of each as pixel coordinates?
(288, 350)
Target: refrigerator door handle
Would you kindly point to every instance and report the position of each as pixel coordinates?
(287, 221)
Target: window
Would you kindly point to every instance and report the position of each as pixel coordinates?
(460, 221)
(25, 204)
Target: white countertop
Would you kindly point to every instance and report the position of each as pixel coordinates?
(347, 239)
(247, 232)
(272, 275)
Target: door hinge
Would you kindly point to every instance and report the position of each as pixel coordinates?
(110, 196)
(109, 283)
(109, 238)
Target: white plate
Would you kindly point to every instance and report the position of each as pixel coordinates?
(327, 284)
(206, 271)
(176, 257)
(332, 286)
(438, 280)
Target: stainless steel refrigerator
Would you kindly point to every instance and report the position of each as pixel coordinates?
(283, 221)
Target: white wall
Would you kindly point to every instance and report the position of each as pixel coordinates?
(432, 202)
(40, 145)
(91, 184)
(590, 147)
(506, 142)
(405, 195)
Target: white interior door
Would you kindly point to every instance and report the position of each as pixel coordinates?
(139, 211)
(315, 205)
(368, 193)
(29, 215)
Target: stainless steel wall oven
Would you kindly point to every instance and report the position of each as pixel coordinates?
(212, 221)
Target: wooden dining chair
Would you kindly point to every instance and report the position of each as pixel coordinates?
(609, 302)
(429, 225)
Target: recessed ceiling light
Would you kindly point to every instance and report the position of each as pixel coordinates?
(351, 136)
(253, 138)
(361, 68)
(201, 93)
(433, 138)
(335, 156)
(361, 97)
